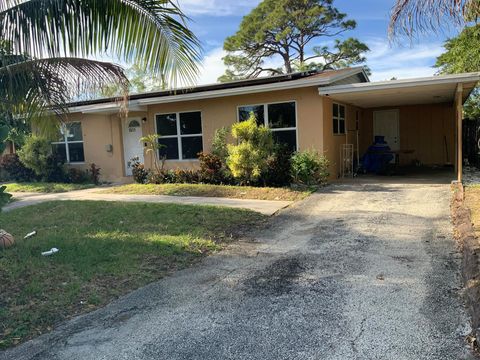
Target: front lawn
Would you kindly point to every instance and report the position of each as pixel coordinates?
(44, 187)
(106, 249)
(227, 191)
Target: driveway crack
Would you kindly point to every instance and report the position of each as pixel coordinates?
(353, 342)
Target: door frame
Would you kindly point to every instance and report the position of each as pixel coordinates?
(124, 134)
(397, 111)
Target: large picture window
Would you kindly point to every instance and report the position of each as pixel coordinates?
(70, 143)
(279, 117)
(338, 119)
(181, 135)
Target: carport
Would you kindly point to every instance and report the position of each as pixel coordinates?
(421, 119)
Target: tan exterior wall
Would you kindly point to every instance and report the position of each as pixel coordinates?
(333, 142)
(101, 130)
(423, 128)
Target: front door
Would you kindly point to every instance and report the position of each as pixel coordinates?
(132, 147)
(387, 123)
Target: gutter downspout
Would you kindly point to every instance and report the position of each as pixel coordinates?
(459, 119)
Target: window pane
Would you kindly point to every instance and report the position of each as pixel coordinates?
(335, 110)
(342, 111)
(335, 125)
(74, 132)
(288, 137)
(167, 124)
(75, 151)
(342, 126)
(171, 148)
(191, 146)
(60, 150)
(258, 110)
(191, 123)
(281, 115)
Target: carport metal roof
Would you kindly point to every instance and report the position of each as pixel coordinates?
(436, 89)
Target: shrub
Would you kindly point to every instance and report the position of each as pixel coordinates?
(139, 172)
(94, 173)
(309, 168)
(15, 169)
(248, 160)
(54, 170)
(4, 197)
(180, 176)
(77, 176)
(278, 172)
(212, 170)
(34, 154)
(219, 144)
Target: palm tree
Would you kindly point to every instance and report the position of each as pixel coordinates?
(422, 15)
(46, 47)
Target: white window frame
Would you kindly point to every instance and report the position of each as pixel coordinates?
(66, 142)
(339, 118)
(179, 136)
(265, 116)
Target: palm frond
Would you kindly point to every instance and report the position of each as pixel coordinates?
(149, 33)
(42, 87)
(410, 16)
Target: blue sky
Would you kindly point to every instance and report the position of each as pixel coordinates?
(214, 20)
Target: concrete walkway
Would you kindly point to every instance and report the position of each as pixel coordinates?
(358, 271)
(265, 207)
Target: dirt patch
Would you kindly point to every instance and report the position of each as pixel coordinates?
(470, 246)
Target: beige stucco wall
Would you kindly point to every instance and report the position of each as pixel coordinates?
(101, 130)
(423, 128)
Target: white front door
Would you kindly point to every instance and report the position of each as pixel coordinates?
(387, 123)
(132, 147)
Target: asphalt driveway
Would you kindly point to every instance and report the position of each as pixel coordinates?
(358, 271)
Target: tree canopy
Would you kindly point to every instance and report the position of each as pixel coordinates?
(285, 29)
(463, 55)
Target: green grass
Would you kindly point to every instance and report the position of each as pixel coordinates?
(106, 249)
(237, 192)
(44, 187)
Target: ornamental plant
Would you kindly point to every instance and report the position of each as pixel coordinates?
(248, 159)
(309, 168)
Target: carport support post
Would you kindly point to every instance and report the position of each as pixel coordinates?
(459, 118)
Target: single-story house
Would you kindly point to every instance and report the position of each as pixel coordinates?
(419, 118)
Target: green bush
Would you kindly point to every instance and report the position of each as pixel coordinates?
(11, 164)
(249, 158)
(309, 168)
(212, 170)
(34, 154)
(139, 172)
(219, 144)
(278, 172)
(4, 197)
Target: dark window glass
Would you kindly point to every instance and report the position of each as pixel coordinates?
(75, 150)
(167, 124)
(190, 123)
(342, 126)
(170, 149)
(287, 137)
(74, 132)
(281, 115)
(257, 110)
(191, 146)
(335, 110)
(60, 150)
(342, 111)
(335, 125)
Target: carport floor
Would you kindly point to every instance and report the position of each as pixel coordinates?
(357, 271)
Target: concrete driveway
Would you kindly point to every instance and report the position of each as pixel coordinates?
(358, 271)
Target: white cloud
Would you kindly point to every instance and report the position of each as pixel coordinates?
(217, 7)
(212, 66)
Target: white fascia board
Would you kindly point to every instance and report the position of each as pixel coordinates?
(107, 108)
(397, 84)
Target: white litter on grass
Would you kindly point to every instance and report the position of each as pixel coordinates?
(50, 252)
(30, 234)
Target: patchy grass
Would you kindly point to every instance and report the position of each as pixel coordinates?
(44, 187)
(228, 191)
(106, 249)
(472, 200)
